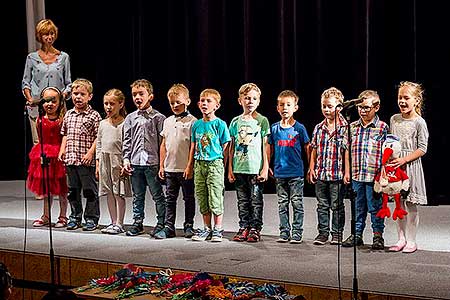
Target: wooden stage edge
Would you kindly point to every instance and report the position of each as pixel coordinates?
(76, 272)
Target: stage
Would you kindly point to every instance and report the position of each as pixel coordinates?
(423, 274)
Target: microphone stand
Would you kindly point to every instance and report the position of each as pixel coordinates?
(46, 188)
(352, 196)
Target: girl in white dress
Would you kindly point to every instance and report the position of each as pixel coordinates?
(112, 183)
(412, 130)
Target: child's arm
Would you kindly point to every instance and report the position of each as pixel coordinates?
(87, 158)
(231, 177)
(347, 167)
(189, 172)
(307, 148)
(312, 176)
(126, 147)
(269, 151)
(162, 157)
(225, 153)
(398, 162)
(265, 168)
(62, 149)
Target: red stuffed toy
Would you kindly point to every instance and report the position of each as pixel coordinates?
(391, 181)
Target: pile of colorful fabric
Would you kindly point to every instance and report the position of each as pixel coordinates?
(133, 281)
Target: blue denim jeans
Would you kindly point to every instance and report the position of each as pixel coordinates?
(141, 177)
(365, 203)
(330, 196)
(175, 181)
(249, 200)
(290, 190)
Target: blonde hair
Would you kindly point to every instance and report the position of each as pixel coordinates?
(333, 92)
(178, 89)
(211, 92)
(370, 94)
(246, 88)
(120, 97)
(288, 93)
(416, 91)
(143, 83)
(45, 26)
(81, 82)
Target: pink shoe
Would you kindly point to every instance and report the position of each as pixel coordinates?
(397, 247)
(410, 248)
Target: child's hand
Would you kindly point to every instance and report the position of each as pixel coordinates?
(96, 173)
(87, 158)
(398, 162)
(231, 177)
(312, 176)
(346, 177)
(188, 173)
(262, 176)
(161, 173)
(126, 169)
(61, 155)
(270, 172)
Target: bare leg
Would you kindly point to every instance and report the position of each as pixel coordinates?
(120, 209)
(112, 207)
(46, 207)
(63, 205)
(218, 221)
(207, 220)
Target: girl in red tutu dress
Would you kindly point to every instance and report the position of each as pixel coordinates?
(51, 120)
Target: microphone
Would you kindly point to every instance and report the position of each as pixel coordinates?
(351, 103)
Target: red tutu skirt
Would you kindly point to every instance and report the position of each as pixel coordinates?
(56, 172)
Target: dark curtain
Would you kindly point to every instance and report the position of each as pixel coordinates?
(306, 46)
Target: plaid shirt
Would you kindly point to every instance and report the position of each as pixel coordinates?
(330, 146)
(366, 148)
(81, 130)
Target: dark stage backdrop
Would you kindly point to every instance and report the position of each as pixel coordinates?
(306, 46)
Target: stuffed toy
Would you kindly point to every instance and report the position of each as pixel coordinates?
(391, 182)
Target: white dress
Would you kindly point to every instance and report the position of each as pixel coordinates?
(413, 134)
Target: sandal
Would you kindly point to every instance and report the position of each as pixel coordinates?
(42, 221)
(62, 222)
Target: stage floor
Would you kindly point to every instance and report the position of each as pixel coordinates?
(425, 273)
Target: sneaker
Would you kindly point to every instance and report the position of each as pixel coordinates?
(42, 221)
(202, 235)
(254, 236)
(165, 233)
(107, 228)
(73, 225)
(189, 231)
(321, 239)
(378, 242)
(136, 229)
(217, 235)
(349, 241)
(336, 239)
(241, 235)
(284, 237)
(296, 239)
(115, 229)
(90, 226)
(156, 229)
(62, 222)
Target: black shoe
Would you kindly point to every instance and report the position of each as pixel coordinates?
(136, 229)
(349, 241)
(165, 233)
(189, 231)
(157, 229)
(378, 242)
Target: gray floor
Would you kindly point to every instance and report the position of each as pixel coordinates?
(425, 273)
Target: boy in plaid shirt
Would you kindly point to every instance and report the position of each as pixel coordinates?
(368, 135)
(329, 167)
(79, 131)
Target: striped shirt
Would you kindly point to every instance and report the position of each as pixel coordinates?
(366, 148)
(330, 147)
(81, 130)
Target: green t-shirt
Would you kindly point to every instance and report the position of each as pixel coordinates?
(248, 143)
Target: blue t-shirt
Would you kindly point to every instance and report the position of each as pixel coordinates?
(209, 138)
(288, 144)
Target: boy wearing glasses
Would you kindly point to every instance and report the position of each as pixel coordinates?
(368, 135)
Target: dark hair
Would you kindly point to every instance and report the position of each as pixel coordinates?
(60, 294)
(5, 280)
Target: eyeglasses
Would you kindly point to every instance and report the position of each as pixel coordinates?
(366, 108)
